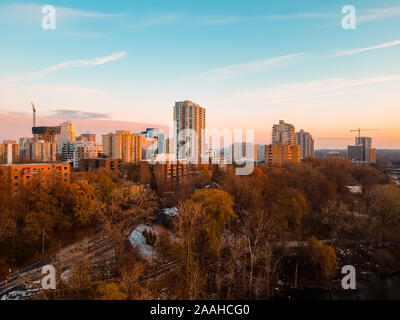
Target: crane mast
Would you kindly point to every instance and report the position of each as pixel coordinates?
(34, 114)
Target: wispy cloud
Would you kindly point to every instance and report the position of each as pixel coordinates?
(380, 13)
(246, 68)
(29, 12)
(229, 19)
(68, 64)
(151, 21)
(362, 16)
(359, 50)
(301, 90)
(218, 20)
(76, 114)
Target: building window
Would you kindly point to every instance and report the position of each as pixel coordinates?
(65, 168)
(28, 177)
(16, 178)
(48, 168)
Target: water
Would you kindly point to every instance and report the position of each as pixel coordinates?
(371, 288)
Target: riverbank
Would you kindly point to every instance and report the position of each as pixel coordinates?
(377, 276)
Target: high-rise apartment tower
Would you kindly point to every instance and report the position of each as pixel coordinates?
(190, 122)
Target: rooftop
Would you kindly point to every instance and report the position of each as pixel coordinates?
(33, 164)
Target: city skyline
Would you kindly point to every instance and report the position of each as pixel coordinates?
(126, 65)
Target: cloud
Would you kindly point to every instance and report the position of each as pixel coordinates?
(151, 21)
(335, 138)
(301, 90)
(379, 46)
(246, 68)
(76, 114)
(68, 64)
(18, 97)
(30, 12)
(13, 113)
(299, 16)
(376, 14)
(221, 20)
(362, 16)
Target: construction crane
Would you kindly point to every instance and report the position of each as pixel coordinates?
(359, 131)
(34, 114)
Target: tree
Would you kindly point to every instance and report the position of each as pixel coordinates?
(8, 224)
(386, 208)
(293, 207)
(322, 256)
(105, 187)
(153, 181)
(109, 291)
(128, 207)
(201, 220)
(218, 210)
(40, 219)
(191, 219)
(83, 201)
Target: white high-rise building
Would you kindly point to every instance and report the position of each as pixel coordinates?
(75, 151)
(190, 122)
(283, 132)
(67, 134)
(306, 142)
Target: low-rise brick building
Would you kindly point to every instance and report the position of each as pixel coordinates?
(19, 174)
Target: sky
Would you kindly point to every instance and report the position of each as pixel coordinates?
(112, 65)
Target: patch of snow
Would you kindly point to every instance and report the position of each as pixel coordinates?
(170, 211)
(138, 240)
(19, 294)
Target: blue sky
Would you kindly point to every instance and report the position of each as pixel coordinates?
(250, 63)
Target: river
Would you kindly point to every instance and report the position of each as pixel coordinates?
(370, 288)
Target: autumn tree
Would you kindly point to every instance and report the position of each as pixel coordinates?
(128, 207)
(218, 210)
(83, 201)
(109, 291)
(386, 208)
(104, 188)
(322, 256)
(201, 221)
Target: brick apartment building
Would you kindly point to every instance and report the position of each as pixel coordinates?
(19, 174)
